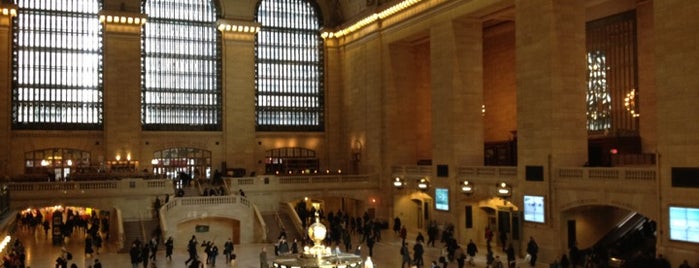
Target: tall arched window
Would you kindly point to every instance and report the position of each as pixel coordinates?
(57, 65)
(612, 80)
(181, 85)
(289, 67)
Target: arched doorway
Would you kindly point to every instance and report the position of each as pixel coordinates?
(172, 162)
(56, 164)
(503, 219)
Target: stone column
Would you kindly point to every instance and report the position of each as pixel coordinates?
(677, 92)
(456, 67)
(122, 87)
(456, 52)
(551, 120)
(5, 91)
(238, 76)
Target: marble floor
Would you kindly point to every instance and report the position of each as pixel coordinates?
(42, 253)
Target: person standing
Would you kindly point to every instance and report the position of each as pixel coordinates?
(532, 250)
(263, 258)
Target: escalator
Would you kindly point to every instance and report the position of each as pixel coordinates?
(630, 242)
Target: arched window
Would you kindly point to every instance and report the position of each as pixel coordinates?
(289, 67)
(171, 162)
(612, 91)
(181, 85)
(57, 65)
(60, 163)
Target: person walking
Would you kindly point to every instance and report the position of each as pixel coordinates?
(418, 251)
(214, 253)
(135, 255)
(471, 250)
(405, 254)
(169, 244)
(228, 250)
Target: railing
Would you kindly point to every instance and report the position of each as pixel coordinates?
(608, 174)
(205, 200)
(289, 210)
(120, 185)
(488, 171)
(304, 181)
(260, 219)
(642, 174)
(412, 170)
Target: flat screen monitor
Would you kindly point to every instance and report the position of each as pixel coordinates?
(534, 208)
(684, 224)
(441, 196)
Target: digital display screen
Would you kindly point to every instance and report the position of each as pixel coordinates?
(534, 208)
(684, 224)
(441, 196)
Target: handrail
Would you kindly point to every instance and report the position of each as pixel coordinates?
(263, 224)
(298, 225)
(613, 174)
(279, 220)
(121, 235)
(163, 219)
(120, 185)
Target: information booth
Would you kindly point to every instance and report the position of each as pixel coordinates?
(57, 227)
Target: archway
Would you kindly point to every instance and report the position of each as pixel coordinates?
(59, 222)
(502, 219)
(213, 229)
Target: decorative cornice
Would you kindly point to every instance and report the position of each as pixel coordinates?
(238, 26)
(8, 10)
(372, 18)
(125, 18)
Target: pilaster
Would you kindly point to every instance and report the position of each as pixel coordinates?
(122, 85)
(676, 62)
(7, 12)
(456, 52)
(551, 120)
(238, 49)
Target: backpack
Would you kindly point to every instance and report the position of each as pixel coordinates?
(69, 256)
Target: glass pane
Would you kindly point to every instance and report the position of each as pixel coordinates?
(181, 63)
(289, 67)
(49, 60)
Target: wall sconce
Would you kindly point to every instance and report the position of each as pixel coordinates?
(118, 157)
(504, 190)
(357, 151)
(8, 10)
(467, 187)
(423, 184)
(398, 183)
